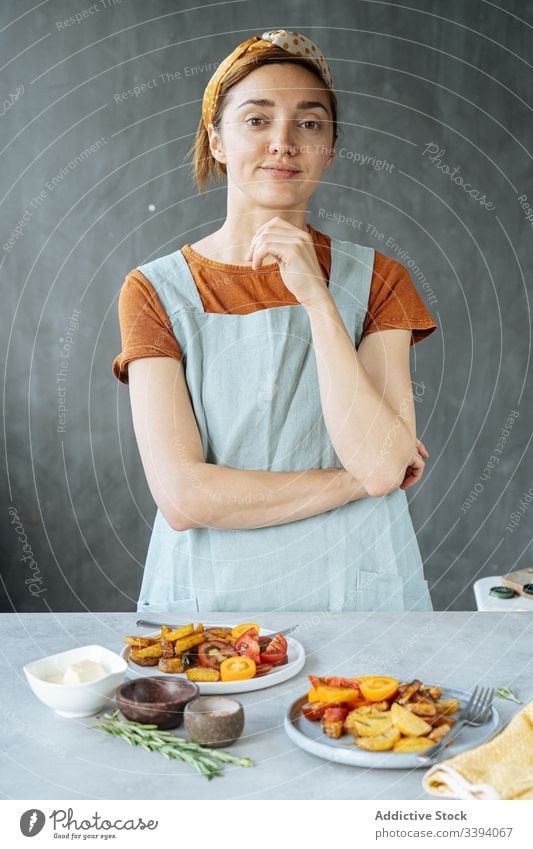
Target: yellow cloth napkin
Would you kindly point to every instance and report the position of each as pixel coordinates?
(499, 769)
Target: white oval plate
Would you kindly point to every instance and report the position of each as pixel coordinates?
(296, 660)
(308, 735)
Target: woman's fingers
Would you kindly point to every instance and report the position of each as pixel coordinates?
(421, 448)
(413, 472)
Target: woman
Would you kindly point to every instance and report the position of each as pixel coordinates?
(268, 367)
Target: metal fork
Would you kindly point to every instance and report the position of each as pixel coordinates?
(145, 623)
(477, 711)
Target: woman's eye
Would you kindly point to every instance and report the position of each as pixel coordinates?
(316, 124)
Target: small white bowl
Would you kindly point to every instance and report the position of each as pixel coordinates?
(74, 700)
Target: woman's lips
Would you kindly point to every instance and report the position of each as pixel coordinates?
(280, 174)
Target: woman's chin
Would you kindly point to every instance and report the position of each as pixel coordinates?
(277, 195)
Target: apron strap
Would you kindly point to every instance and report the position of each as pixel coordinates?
(172, 279)
(351, 271)
(350, 279)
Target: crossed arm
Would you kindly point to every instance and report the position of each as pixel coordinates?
(361, 392)
(365, 392)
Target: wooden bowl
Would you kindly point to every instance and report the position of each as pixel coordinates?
(156, 700)
(214, 720)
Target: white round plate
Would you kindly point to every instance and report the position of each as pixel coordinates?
(296, 660)
(308, 735)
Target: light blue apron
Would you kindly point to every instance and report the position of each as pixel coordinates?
(254, 387)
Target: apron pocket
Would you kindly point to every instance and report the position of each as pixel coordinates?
(383, 593)
(176, 606)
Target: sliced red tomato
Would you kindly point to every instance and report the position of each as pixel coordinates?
(275, 651)
(336, 713)
(212, 652)
(315, 682)
(337, 681)
(248, 645)
(262, 669)
(314, 710)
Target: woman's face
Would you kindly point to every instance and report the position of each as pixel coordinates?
(292, 127)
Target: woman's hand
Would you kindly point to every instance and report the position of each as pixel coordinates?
(293, 249)
(415, 469)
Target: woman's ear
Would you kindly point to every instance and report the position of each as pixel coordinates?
(331, 159)
(215, 144)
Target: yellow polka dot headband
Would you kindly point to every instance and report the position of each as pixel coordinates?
(292, 42)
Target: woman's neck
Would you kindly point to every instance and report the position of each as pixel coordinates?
(231, 242)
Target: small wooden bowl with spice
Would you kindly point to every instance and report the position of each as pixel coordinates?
(214, 721)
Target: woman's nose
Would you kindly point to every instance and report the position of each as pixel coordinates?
(282, 136)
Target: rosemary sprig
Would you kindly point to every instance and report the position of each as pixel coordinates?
(507, 693)
(207, 761)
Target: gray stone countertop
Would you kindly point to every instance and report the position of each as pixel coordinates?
(49, 757)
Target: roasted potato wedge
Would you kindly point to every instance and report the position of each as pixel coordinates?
(150, 651)
(143, 661)
(202, 673)
(188, 642)
(407, 691)
(140, 642)
(422, 708)
(170, 664)
(178, 633)
(434, 692)
(408, 745)
(408, 723)
(167, 648)
(366, 721)
(380, 742)
(439, 732)
(447, 706)
(219, 634)
(384, 705)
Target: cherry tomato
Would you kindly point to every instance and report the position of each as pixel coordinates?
(314, 680)
(275, 651)
(212, 652)
(237, 668)
(248, 645)
(314, 711)
(375, 688)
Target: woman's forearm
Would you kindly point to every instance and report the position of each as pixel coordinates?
(224, 497)
(368, 438)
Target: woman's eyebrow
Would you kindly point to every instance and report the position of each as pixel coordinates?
(303, 104)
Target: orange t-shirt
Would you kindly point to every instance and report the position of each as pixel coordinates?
(223, 288)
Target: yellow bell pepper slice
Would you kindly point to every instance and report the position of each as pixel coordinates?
(324, 693)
